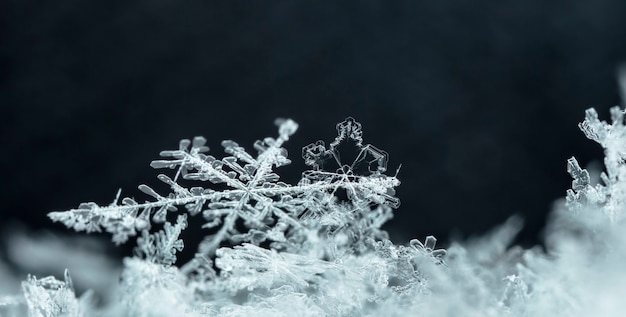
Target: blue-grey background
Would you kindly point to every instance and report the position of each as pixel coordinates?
(478, 100)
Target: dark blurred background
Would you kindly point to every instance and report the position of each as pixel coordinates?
(478, 100)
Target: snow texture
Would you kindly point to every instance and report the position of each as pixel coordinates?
(316, 248)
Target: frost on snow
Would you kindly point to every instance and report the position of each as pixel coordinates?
(316, 248)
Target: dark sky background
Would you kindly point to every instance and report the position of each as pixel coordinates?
(478, 100)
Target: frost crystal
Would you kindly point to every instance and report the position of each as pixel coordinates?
(49, 297)
(249, 267)
(162, 246)
(612, 193)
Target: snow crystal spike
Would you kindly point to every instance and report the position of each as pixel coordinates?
(286, 128)
(129, 201)
(348, 129)
(580, 176)
(184, 144)
(198, 144)
(149, 191)
(430, 242)
(617, 116)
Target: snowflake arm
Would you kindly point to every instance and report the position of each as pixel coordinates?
(248, 187)
(161, 247)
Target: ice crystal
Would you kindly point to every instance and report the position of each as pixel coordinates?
(49, 297)
(612, 193)
(316, 248)
(162, 246)
(268, 207)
